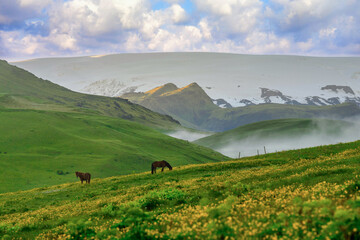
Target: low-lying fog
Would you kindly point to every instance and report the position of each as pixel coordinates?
(187, 135)
(322, 135)
(318, 137)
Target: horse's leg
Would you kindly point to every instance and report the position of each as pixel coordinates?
(162, 169)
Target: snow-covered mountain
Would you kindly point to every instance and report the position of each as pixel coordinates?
(231, 80)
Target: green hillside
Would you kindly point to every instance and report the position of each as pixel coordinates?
(23, 90)
(193, 108)
(43, 148)
(275, 129)
(289, 195)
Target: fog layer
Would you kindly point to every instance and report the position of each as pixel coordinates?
(322, 135)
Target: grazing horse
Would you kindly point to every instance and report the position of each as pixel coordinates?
(83, 176)
(161, 164)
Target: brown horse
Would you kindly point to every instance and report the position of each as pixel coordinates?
(83, 176)
(161, 164)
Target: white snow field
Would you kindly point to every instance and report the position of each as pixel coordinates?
(232, 77)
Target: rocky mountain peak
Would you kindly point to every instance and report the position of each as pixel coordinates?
(336, 89)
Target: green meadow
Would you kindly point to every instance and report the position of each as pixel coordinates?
(307, 194)
(43, 148)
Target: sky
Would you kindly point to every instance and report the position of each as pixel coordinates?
(58, 28)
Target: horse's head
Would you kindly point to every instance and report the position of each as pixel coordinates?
(168, 165)
(77, 174)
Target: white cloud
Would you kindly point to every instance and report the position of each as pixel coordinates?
(178, 13)
(19, 10)
(76, 27)
(232, 16)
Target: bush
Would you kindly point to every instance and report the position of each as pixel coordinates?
(81, 230)
(109, 210)
(170, 196)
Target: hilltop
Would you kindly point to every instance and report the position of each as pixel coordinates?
(20, 89)
(309, 194)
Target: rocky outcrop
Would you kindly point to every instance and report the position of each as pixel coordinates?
(222, 103)
(336, 89)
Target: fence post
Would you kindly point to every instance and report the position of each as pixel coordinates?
(264, 150)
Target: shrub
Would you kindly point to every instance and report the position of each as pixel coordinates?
(81, 230)
(109, 210)
(171, 196)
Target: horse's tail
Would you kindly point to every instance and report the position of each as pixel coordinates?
(152, 168)
(89, 178)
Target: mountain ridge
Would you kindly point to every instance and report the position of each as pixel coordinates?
(192, 107)
(233, 80)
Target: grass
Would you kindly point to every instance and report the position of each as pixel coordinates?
(43, 148)
(312, 194)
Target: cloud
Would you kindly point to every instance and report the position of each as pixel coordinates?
(16, 11)
(78, 27)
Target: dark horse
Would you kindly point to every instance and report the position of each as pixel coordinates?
(83, 176)
(161, 164)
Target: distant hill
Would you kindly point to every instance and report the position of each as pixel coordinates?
(43, 148)
(192, 107)
(281, 134)
(23, 90)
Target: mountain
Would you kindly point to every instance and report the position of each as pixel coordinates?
(193, 108)
(230, 80)
(189, 105)
(21, 89)
(281, 134)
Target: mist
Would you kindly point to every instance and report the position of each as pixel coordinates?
(188, 135)
(322, 135)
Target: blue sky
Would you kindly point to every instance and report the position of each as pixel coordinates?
(51, 28)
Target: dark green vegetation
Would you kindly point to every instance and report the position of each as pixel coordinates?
(41, 148)
(291, 195)
(192, 107)
(21, 89)
(277, 129)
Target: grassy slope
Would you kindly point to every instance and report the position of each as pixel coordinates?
(35, 144)
(290, 195)
(21, 89)
(286, 128)
(193, 108)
